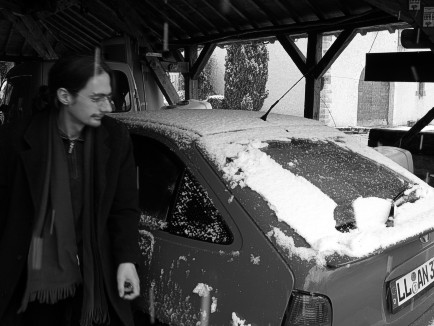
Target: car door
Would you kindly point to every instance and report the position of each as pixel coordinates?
(203, 261)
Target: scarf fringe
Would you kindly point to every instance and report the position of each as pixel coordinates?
(52, 296)
(97, 316)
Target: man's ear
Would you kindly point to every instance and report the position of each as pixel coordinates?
(64, 96)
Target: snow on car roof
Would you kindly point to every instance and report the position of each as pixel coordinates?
(240, 135)
(204, 122)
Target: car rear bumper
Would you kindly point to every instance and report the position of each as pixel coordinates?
(426, 319)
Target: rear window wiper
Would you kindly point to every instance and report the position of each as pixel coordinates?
(391, 219)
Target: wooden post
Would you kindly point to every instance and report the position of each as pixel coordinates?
(191, 85)
(313, 84)
(163, 80)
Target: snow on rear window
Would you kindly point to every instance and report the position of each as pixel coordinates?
(314, 186)
(339, 173)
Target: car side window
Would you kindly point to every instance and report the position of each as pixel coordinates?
(170, 197)
(195, 216)
(158, 171)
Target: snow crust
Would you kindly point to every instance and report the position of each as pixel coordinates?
(202, 289)
(237, 321)
(291, 198)
(232, 140)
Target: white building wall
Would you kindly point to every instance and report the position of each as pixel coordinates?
(345, 73)
(282, 75)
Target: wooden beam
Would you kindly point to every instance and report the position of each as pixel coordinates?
(172, 23)
(36, 30)
(187, 20)
(75, 30)
(163, 80)
(291, 12)
(313, 85)
(197, 12)
(68, 40)
(180, 66)
(372, 18)
(99, 8)
(260, 4)
(7, 38)
(12, 6)
(26, 33)
(294, 52)
(338, 46)
(127, 19)
(18, 58)
(343, 7)
(178, 55)
(201, 62)
(217, 13)
(315, 9)
(244, 15)
(191, 85)
(77, 18)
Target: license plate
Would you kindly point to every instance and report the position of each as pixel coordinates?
(403, 289)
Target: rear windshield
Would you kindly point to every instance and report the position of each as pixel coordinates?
(338, 172)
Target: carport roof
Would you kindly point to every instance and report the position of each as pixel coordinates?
(48, 28)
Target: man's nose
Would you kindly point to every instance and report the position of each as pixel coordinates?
(108, 105)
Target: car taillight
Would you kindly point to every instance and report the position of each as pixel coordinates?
(308, 309)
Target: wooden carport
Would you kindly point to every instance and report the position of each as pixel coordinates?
(47, 29)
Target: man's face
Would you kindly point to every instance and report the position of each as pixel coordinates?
(91, 103)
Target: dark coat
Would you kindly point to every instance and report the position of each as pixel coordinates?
(22, 160)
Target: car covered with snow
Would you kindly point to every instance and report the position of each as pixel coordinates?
(276, 222)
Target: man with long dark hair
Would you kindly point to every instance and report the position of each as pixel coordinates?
(68, 207)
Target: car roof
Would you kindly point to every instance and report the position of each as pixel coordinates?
(214, 122)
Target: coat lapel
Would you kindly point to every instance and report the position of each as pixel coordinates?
(102, 153)
(34, 158)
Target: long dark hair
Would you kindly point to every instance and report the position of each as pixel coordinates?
(73, 73)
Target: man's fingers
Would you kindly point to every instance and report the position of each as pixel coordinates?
(128, 281)
(131, 291)
(121, 288)
(133, 294)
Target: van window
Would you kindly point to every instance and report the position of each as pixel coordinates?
(121, 93)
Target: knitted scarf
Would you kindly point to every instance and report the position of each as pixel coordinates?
(53, 268)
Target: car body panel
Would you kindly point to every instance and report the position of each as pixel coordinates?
(253, 276)
(236, 272)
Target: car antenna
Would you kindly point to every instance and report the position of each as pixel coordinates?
(264, 117)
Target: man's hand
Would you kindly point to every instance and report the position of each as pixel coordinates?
(128, 281)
